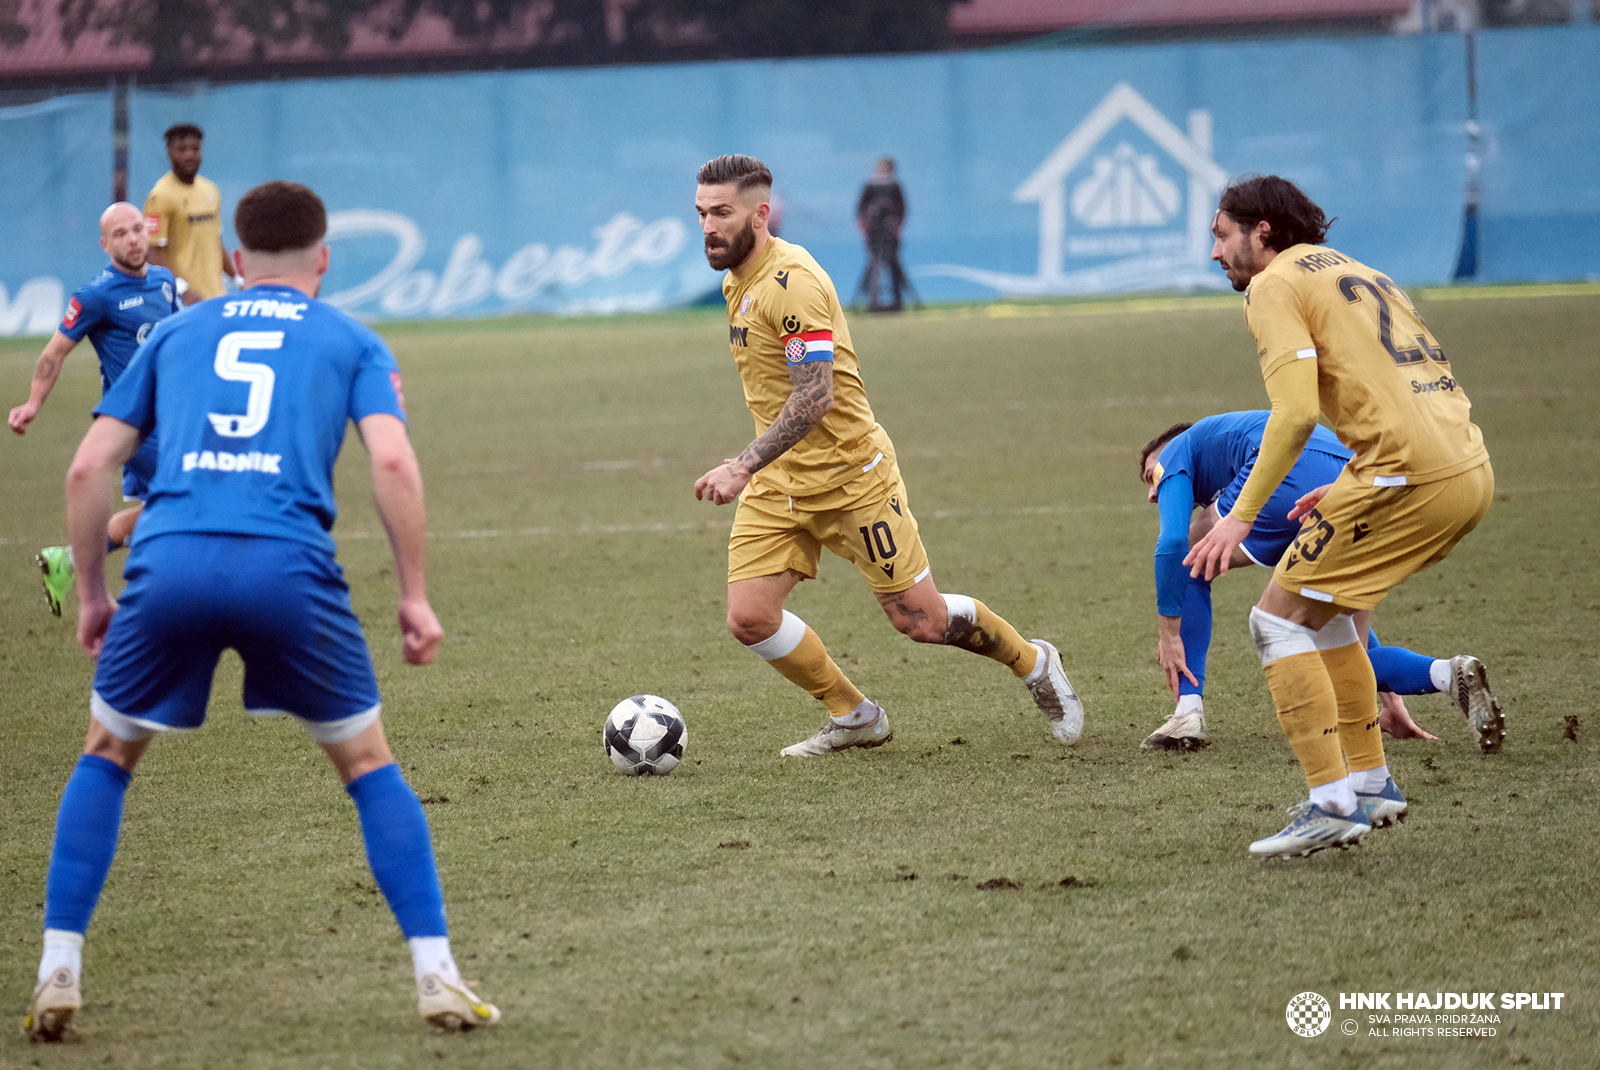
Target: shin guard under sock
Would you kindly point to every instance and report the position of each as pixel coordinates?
(1309, 714)
(87, 825)
(400, 850)
(799, 656)
(1355, 688)
(974, 626)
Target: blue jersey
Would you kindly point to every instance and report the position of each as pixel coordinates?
(251, 395)
(117, 311)
(1208, 463)
(1216, 449)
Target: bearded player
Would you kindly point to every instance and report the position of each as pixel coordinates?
(1338, 339)
(821, 472)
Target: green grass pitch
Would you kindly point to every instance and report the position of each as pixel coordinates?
(971, 895)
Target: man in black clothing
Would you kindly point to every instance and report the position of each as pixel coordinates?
(880, 215)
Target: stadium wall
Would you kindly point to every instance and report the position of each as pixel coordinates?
(1078, 171)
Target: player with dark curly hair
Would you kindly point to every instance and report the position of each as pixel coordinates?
(1339, 339)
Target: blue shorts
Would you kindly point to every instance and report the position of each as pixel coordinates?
(283, 605)
(139, 471)
(1273, 531)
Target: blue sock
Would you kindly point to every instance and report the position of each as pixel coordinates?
(1402, 671)
(86, 841)
(1194, 628)
(400, 850)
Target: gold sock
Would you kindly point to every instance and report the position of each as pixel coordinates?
(1357, 691)
(1309, 714)
(809, 665)
(991, 635)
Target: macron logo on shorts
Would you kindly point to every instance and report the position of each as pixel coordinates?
(807, 347)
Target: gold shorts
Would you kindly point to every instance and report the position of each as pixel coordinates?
(867, 521)
(1361, 542)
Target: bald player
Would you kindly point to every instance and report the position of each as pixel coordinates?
(116, 311)
(822, 472)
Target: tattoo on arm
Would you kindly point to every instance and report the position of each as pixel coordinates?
(808, 403)
(47, 369)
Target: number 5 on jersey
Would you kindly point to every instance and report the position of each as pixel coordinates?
(260, 377)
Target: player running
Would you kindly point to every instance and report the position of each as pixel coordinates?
(1206, 464)
(116, 312)
(822, 472)
(1339, 338)
(251, 397)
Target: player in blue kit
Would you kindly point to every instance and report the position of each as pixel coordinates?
(1204, 465)
(115, 312)
(251, 395)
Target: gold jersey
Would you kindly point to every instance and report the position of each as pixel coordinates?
(186, 222)
(1383, 383)
(782, 310)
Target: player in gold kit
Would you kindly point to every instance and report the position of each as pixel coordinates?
(183, 214)
(1337, 337)
(822, 472)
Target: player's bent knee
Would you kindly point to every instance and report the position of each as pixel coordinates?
(918, 629)
(752, 628)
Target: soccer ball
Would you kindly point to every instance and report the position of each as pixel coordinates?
(645, 735)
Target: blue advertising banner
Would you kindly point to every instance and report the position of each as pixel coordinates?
(1539, 108)
(1065, 172)
(1072, 171)
(55, 166)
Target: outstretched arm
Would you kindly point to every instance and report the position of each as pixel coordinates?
(1293, 390)
(109, 444)
(397, 490)
(45, 374)
(1175, 497)
(808, 403)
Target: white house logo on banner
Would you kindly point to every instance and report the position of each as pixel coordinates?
(1136, 220)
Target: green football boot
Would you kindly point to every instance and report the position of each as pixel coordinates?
(56, 564)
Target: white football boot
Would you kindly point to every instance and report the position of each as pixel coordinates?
(54, 1002)
(1313, 829)
(1185, 729)
(1469, 690)
(452, 1005)
(1053, 694)
(835, 737)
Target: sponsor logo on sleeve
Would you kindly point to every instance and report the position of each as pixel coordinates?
(791, 325)
(74, 309)
(152, 223)
(399, 392)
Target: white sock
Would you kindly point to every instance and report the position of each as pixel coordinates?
(1369, 781)
(864, 714)
(1040, 665)
(431, 954)
(1189, 704)
(1439, 673)
(1337, 797)
(61, 948)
